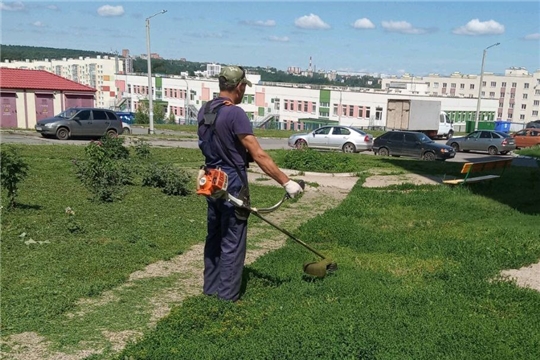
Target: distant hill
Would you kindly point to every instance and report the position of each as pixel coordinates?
(175, 67)
(18, 52)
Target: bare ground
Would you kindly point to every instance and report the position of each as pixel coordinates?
(331, 190)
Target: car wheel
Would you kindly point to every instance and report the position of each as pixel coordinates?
(301, 144)
(429, 156)
(455, 146)
(383, 152)
(450, 135)
(492, 150)
(504, 152)
(349, 148)
(62, 133)
(126, 131)
(111, 132)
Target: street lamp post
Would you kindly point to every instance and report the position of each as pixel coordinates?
(149, 64)
(186, 103)
(480, 87)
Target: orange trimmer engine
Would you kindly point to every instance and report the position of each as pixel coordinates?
(212, 182)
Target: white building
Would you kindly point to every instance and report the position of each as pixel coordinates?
(99, 73)
(517, 92)
(291, 106)
(213, 69)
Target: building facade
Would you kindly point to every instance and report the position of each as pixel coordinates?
(99, 73)
(517, 92)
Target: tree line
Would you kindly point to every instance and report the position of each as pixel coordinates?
(176, 67)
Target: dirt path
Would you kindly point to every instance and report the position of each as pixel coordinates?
(187, 268)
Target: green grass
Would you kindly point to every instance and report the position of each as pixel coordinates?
(533, 151)
(417, 275)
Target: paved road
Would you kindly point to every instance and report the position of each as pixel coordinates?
(32, 138)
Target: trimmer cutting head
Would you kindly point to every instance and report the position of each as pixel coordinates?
(320, 268)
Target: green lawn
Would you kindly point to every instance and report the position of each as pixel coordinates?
(417, 278)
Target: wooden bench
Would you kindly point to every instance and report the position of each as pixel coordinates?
(469, 168)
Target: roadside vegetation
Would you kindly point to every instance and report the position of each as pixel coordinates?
(418, 272)
(531, 151)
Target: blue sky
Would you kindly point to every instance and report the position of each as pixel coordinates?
(379, 37)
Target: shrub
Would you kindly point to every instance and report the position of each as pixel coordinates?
(14, 170)
(171, 181)
(313, 160)
(105, 170)
(142, 149)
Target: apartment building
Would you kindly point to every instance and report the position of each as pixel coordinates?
(517, 92)
(99, 73)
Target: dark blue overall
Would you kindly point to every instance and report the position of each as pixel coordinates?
(225, 248)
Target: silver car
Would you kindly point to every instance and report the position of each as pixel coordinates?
(345, 138)
(73, 122)
(494, 142)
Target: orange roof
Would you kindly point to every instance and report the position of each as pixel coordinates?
(38, 80)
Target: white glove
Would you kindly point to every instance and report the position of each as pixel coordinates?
(292, 188)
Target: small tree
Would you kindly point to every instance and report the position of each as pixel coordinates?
(142, 115)
(14, 170)
(172, 119)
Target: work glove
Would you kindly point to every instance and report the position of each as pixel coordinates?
(292, 188)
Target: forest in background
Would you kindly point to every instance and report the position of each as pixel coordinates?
(175, 67)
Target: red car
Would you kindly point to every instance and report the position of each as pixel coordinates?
(527, 137)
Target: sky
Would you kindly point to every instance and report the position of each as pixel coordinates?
(374, 37)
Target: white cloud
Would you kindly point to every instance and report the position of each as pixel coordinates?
(11, 6)
(108, 10)
(402, 27)
(278, 38)
(535, 36)
(267, 23)
(311, 21)
(53, 7)
(363, 23)
(477, 27)
(38, 24)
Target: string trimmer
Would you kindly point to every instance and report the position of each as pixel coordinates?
(215, 181)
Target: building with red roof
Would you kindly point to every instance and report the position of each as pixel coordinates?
(27, 96)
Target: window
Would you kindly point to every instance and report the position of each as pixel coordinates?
(335, 109)
(99, 115)
(351, 110)
(492, 94)
(305, 106)
(501, 104)
(514, 85)
(324, 104)
(521, 117)
(368, 112)
(493, 83)
(444, 85)
(502, 94)
(536, 102)
(503, 84)
(483, 94)
(525, 96)
(537, 92)
(511, 106)
(499, 115)
(471, 87)
(286, 104)
(323, 131)
(462, 86)
(535, 112)
(378, 113)
(313, 107)
(512, 96)
(483, 83)
(485, 135)
(526, 85)
(435, 85)
(523, 106)
(509, 115)
(453, 85)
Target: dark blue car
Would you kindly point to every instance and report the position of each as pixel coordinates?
(411, 143)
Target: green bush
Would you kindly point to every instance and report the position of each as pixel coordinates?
(313, 160)
(14, 170)
(106, 169)
(170, 180)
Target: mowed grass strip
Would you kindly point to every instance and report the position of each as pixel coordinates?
(418, 278)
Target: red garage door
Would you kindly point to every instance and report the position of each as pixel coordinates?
(79, 101)
(44, 106)
(8, 116)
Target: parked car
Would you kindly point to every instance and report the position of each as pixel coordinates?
(345, 138)
(527, 137)
(126, 128)
(494, 142)
(533, 124)
(411, 143)
(73, 122)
